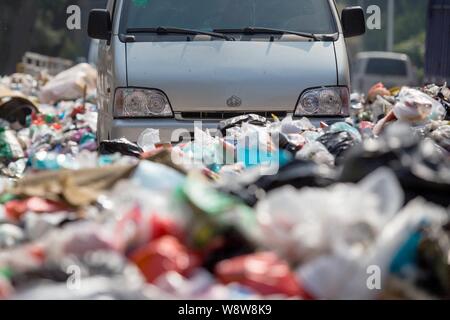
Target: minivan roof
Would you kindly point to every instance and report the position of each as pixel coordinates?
(383, 55)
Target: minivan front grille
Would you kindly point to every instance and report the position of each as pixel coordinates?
(228, 115)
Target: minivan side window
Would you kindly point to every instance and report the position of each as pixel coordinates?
(387, 67)
(314, 16)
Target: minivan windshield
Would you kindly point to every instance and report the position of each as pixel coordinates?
(311, 16)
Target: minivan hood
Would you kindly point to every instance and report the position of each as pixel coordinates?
(204, 75)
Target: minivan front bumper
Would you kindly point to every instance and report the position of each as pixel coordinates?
(169, 128)
(132, 128)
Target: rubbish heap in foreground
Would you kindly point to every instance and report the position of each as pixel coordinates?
(277, 209)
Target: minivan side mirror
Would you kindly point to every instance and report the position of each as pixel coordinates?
(100, 25)
(353, 22)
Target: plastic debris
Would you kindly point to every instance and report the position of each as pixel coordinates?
(338, 143)
(122, 146)
(148, 140)
(416, 106)
(74, 83)
(271, 208)
(264, 273)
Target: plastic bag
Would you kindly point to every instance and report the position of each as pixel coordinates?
(338, 144)
(440, 133)
(204, 147)
(10, 148)
(251, 187)
(164, 255)
(315, 151)
(343, 126)
(421, 167)
(105, 275)
(347, 275)
(377, 90)
(340, 222)
(149, 139)
(70, 84)
(311, 136)
(148, 176)
(10, 236)
(415, 106)
(434, 250)
(264, 273)
(289, 126)
(237, 121)
(122, 146)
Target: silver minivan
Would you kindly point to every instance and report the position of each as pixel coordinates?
(164, 64)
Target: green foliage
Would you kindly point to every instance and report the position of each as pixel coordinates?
(415, 48)
(51, 36)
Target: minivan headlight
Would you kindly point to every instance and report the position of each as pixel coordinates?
(326, 101)
(141, 103)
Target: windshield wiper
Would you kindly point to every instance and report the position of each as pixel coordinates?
(254, 30)
(167, 30)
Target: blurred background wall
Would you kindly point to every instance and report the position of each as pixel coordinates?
(40, 26)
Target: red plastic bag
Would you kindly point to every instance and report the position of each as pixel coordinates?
(6, 289)
(265, 273)
(15, 209)
(164, 255)
(135, 229)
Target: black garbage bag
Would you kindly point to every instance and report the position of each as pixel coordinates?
(338, 144)
(17, 110)
(447, 109)
(422, 168)
(122, 146)
(298, 173)
(237, 121)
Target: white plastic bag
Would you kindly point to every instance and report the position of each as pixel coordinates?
(363, 276)
(290, 126)
(149, 139)
(345, 219)
(415, 106)
(70, 84)
(148, 176)
(316, 152)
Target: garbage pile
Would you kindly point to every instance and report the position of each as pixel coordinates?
(58, 134)
(267, 209)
